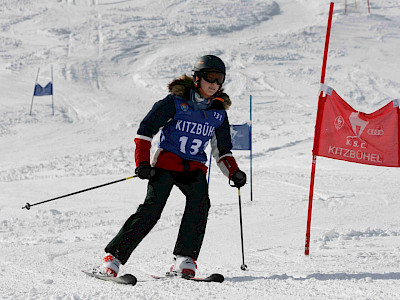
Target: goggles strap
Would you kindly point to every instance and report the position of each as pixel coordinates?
(219, 99)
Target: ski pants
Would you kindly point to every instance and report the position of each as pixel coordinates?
(193, 224)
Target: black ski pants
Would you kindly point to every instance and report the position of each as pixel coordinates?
(193, 224)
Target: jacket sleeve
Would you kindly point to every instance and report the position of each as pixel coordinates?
(157, 117)
(221, 145)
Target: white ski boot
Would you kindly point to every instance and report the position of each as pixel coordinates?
(110, 266)
(184, 265)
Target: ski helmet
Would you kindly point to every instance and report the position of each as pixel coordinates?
(209, 62)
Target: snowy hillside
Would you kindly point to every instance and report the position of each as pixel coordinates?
(112, 60)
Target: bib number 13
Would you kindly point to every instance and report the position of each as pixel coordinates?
(194, 147)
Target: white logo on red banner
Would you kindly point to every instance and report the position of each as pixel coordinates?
(339, 122)
(358, 125)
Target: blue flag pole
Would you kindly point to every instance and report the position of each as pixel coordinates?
(209, 168)
(251, 152)
(47, 90)
(52, 93)
(37, 76)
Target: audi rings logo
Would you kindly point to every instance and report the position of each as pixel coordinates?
(375, 132)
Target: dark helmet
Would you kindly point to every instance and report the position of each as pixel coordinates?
(209, 62)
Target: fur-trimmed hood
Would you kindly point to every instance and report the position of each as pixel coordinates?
(181, 87)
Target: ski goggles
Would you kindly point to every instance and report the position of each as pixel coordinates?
(212, 77)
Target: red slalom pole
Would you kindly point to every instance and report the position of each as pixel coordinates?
(328, 33)
(369, 11)
(321, 102)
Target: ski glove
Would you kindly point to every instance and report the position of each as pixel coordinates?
(145, 171)
(238, 178)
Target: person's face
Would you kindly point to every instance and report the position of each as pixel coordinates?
(209, 88)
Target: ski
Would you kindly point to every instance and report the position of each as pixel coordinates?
(127, 279)
(212, 278)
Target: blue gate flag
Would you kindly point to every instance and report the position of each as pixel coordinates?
(43, 91)
(241, 137)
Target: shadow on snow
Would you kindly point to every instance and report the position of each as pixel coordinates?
(320, 276)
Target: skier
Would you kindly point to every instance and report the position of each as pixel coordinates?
(193, 113)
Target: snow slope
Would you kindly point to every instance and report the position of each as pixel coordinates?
(112, 60)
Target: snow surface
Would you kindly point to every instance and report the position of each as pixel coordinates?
(112, 60)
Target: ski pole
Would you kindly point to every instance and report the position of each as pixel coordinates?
(28, 205)
(243, 266)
